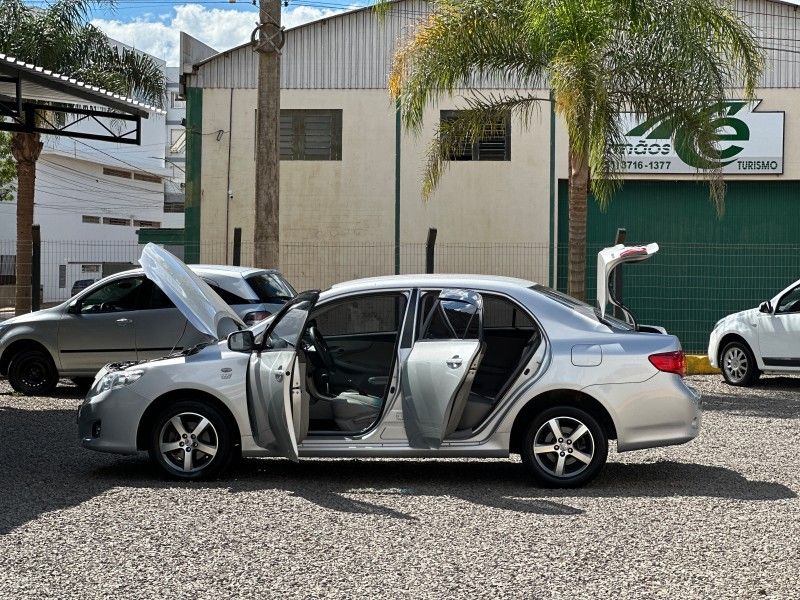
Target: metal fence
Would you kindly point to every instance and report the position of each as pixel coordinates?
(685, 287)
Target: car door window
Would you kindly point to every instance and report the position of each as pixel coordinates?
(153, 297)
(790, 303)
(117, 296)
(452, 320)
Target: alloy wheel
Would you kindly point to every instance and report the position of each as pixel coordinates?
(736, 364)
(188, 442)
(563, 447)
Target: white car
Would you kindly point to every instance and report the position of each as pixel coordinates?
(746, 344)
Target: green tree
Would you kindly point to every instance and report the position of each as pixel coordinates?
(8, 171)
(670, 59)
(57, 35)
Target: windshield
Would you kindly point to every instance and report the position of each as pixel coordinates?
(270, 288)
(578, 306)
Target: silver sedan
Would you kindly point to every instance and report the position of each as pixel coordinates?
(123, 317)
(405, 366)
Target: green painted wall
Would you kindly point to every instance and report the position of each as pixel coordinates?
(708, 266)
(194, 150)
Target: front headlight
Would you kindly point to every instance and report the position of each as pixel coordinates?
(118, 379)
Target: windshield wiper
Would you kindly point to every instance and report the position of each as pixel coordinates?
(196, 348)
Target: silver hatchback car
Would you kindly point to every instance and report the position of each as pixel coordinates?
(403, 366)
(121, 318)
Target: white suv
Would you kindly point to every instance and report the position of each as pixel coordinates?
(767, 338)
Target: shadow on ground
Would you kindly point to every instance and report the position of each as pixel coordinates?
(776, 397)
(42, 469)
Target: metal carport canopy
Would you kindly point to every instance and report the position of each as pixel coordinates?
(28, 93)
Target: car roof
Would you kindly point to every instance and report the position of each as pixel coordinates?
(229, 270)
(493, 282)
(211, 270)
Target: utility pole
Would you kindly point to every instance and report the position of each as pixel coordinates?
(267, 41)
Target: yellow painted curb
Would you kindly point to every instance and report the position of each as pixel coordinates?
(697, 364)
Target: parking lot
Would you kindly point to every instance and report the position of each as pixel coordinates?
(718, 517)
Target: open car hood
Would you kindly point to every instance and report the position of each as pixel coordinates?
(191, 295)
(608, 260)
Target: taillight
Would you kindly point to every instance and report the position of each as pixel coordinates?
(256, 316)
(670, 362)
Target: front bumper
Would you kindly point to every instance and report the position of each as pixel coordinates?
(109, 422)
(661, 411)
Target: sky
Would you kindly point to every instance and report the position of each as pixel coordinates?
(153, 26)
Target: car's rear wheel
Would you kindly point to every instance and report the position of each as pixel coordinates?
(738, 364)
(190, 439)
(564, 447)
(33, 373)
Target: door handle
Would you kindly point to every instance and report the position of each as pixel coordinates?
(279, 374)
(455, 362)
(123, 322)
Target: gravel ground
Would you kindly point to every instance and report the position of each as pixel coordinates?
(718, 517)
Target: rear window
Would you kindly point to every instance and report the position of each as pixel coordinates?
(269, 287)
(578, 306)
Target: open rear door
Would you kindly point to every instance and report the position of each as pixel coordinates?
(438, 373)
(274, 383)
(608, 260)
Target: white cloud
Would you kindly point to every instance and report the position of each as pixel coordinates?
(220, 28)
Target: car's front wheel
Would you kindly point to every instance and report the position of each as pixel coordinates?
(33, 373)
(564, 447)
(190, 439)
(738, 364)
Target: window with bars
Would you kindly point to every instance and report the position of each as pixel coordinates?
(147, 177)
(495, 143)
(146, 224)
(115, 221)
(117, 172)
(311, 135)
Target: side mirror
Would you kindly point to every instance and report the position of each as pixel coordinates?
(74, 307)
(766, 307)
(242, 341)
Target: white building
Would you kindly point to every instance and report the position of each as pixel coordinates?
(91, 199)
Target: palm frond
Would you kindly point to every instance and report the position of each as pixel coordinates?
(674, 60)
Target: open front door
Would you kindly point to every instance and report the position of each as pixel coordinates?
(276, 417)
(438, 373)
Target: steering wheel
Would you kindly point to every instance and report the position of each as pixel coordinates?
(321, 347)
(107, 307)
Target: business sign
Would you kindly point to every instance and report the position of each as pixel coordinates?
(747, 143)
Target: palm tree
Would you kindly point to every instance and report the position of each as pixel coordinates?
(670, 59)
(8, 171)
(58, 36)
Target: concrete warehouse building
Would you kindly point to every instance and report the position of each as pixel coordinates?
(351, 178)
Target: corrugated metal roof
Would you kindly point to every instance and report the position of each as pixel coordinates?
(43, 84)
(354, 50)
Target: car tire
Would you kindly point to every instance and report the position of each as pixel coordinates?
(738, 364)
(212, 451)
(33, 373)
(553, 458)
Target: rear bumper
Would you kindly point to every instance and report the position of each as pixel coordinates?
(661, 411)
(109, 421)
